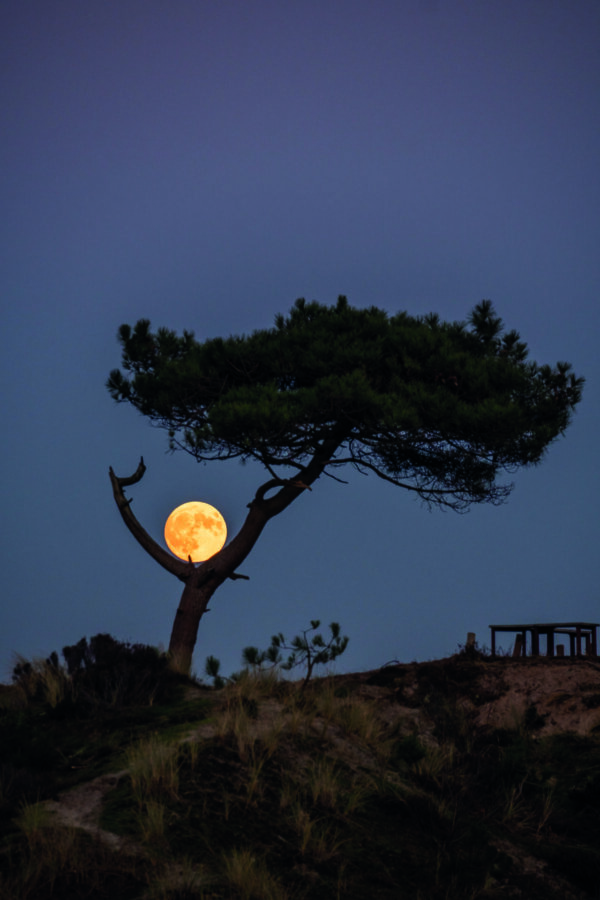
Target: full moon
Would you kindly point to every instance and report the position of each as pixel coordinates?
(195, 531)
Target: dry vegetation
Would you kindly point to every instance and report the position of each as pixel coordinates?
(460, 778)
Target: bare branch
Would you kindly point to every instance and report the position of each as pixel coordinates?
(363, 464)
(180, 569)
(335, 478)
(431, 494)
(133, 479)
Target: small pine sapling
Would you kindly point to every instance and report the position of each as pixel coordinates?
(308, 652)
(303, 651)
(211, 668)
(254, 659)
(441, 409)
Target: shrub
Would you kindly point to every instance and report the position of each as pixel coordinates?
(114, 673)
(104, 672)
(42, 681)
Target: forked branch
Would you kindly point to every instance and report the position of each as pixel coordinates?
(180, 569)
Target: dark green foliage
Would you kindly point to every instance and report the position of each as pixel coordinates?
(441, 408)
(255, 658)
(302, 650)
(93, 872)
(110, 672)
(474, 814)
(211, 668)
(42, 752)
(103, 672)
(24, 674)
(421, 829)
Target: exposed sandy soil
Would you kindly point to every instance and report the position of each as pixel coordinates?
(81, 808)
(565, 693)
(558, 689)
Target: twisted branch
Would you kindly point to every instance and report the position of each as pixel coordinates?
(176, 567)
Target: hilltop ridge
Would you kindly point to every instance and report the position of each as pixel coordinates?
(464, 777)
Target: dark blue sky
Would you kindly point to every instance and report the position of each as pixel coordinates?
(203, 164)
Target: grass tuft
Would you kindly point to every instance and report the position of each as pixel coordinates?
(300, 795)
(153, 769)
(33, 820)
(249, 877)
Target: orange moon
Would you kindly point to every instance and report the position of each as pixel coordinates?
(195, 530)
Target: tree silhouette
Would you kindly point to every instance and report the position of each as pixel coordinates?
(440, 409)
(303, 651)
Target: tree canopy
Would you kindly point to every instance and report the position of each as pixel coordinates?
(439, 408)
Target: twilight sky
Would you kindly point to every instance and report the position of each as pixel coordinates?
(203, 163)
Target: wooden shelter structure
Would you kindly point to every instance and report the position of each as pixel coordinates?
(583, 638)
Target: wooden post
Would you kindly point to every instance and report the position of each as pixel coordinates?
(519, 645)
(560, 649)
(470, 639)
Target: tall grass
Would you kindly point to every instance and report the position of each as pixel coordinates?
(327, 785)
(153, 769)
(354, 716)
(249, 876)
(324, 783)
(255, 685)
(151, 819)
(318, 839)
(359, 718)
(186, 880)
(239, 718)
(33, 820)
(235, 722)
(42, 680)
(437, 763)
(263, 808)
(53, 861)
(255, 767)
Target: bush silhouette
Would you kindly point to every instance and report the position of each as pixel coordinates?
(115, 673)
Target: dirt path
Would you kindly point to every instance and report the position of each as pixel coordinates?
(567, 695)
(81, 807)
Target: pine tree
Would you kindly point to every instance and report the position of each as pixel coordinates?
(440, 409)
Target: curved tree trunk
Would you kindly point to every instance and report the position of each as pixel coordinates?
(202, 581)
(192, 606)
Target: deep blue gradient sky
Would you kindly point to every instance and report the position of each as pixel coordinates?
(203, 164)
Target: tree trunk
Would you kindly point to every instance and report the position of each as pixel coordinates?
(192, 606)
(202, 581)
